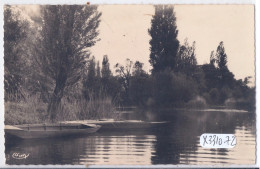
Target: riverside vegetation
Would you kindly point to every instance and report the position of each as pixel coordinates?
(51, 75)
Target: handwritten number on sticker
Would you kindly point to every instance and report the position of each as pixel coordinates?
(227, 141)
(220, 141)
(205, 140)
(217, 140)
(210, 139)
(233, 141)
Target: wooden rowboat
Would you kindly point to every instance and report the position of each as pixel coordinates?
(30, 131)
(111, 125)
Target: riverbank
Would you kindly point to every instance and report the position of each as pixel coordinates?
(33, 111)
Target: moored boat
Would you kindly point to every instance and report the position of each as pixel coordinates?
(30, 131)
(110, 124)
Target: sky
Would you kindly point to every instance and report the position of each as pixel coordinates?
(124, 33)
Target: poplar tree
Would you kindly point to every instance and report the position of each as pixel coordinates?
(105, 71)
(164, 42)
(221, 56)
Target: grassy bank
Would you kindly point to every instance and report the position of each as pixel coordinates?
(31, 110)
(81, 109)
(25, 111)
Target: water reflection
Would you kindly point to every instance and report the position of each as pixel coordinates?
(242, 153)
(96, 149)
(122, 150)
(175, 143)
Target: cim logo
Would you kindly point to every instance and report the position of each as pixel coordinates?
(20, 156)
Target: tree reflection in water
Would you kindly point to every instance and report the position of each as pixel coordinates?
(177, 142)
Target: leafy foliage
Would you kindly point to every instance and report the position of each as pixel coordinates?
(164, 42)
(140, 85)
(171, 89)
(106, 72)
(67, 33)
(221, 56)
(125, 73)
(186, 58)
(91, 81)
(15, 33)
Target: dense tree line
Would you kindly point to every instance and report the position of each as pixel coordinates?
(52, 59)
(100, 83)
(176, 78)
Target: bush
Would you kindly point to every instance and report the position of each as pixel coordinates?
(140, 89)
(214, 96)
(230, 102)
(225, 93)
(172, 89)
(197, 102)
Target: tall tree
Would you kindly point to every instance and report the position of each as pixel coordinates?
(226, 77)
(221, 56)
(187, 58)
(125, 73)
(106, 75)
(164, 42)
(109, 84)
(98, 70)
(105, 71)
(138, 69)
(15, 33)
(90, 80)
(140, 85)
(212, 58)
(67, 33)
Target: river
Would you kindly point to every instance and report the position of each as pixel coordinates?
(176, 142)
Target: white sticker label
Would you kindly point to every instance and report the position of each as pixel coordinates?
(209, 140)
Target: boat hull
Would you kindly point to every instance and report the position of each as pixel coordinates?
(126, 125)
(47, 132)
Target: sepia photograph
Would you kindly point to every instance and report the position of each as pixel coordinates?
(129, 84)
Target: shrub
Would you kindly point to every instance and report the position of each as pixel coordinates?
(230, 102)
(225, 93)
(171, 89)
(214, 96)
(197, 102)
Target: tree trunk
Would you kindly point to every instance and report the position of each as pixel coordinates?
(57, 96)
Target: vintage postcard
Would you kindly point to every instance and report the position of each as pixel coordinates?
(129, 84)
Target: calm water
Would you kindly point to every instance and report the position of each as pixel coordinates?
(176, 142)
